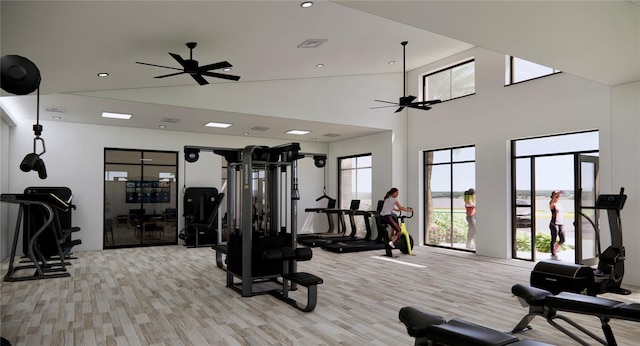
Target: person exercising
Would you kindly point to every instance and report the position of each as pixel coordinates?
(388, 216)
(555, 225)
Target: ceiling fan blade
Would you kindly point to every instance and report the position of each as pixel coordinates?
(395, 103)
(430, 102)
(178, 59)
(144, 63)
(169, 75)
(220, 75)
(399, 109)
(424, 108)
(199, 79)
(218, 65)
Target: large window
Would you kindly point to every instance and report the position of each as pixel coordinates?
(355, 181)
(450, 83)
(519, 70)
(449, 174)
(566, 163)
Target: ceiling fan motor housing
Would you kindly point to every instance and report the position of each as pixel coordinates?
(191, 66)
(404, 100)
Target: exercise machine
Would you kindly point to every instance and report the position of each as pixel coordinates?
(262, 194)
(607, 276)
(549, 305)
(322, 239)
(433, 330)
(610, 270)
(201, 205)
(404, 243)
(45, 266)
(367, 243)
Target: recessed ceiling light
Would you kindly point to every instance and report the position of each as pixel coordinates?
(245, 133)
(306, 4)
(297, 132)
(162, 126)
(314, 139)
(116, 115)
(391, 62)
(56, 117)
(218, 125)
(320, 65)
(103, 74)
(226, 69)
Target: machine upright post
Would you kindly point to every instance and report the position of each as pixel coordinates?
(247, 222)
(294, 205)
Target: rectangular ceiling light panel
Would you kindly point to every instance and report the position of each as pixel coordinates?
(116, 115)
(218, 125)
(297, 132)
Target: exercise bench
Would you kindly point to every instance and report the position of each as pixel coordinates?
(546, 304)
(433, 330)
(310, 281)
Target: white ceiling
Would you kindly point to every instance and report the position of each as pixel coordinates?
(71, 42)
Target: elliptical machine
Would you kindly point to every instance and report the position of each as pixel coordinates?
(610, 270)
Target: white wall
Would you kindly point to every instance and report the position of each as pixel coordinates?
(75, 158)
(382, 156)
(496, 114)
(5, 236)
(625, 169)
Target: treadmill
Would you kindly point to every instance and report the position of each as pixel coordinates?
(366, 244)
(319, 239)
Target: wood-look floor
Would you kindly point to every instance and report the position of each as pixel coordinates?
(173, 295)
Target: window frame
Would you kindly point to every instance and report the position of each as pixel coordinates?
(509, 70)
(427, 183)
(425, 77)
(340, 182)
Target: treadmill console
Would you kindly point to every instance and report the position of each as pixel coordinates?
(615, 202)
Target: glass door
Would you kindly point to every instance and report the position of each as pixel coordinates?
(524, 206)
(586, 235)
(140, 190)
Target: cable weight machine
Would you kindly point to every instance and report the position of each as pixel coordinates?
(262, 195)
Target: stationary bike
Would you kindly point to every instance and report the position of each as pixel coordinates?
(404, 243)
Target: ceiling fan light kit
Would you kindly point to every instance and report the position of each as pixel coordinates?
(191, 67)
(407, 100)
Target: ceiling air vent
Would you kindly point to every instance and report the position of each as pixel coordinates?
(56, 109)
(312, 43)
(331, 135)
(259, 128)
(170, 120)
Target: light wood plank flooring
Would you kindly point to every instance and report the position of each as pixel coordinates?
(172, 295)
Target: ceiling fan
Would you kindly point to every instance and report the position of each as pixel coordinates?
(407, 100)
(191, 67)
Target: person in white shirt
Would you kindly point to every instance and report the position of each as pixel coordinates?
(388, 216)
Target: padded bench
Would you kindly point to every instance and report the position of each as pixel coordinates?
(431, 329)
(546, 304)
(307, 280)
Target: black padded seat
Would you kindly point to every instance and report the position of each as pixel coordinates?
(304, 279)
(583, 304)
(459, 332)
(417, 321)
(533, 296)
(629, 312)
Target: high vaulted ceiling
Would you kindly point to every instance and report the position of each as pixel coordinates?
(281, 88)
